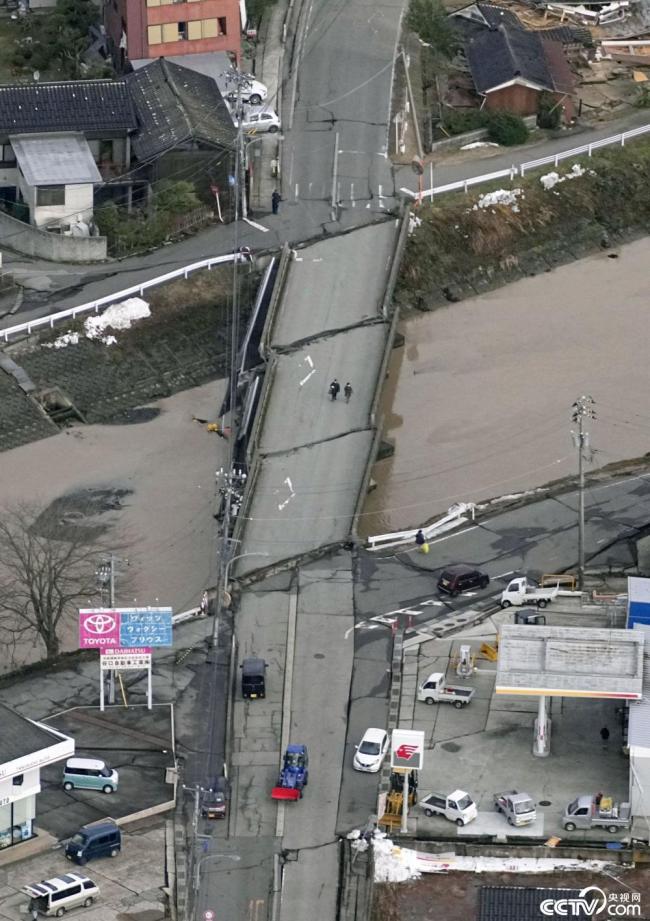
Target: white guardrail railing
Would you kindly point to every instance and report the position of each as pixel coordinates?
(455, 516)
(521, 170)
(72, 312)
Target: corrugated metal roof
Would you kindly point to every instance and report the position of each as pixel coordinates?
(55, 159)
(638, 730)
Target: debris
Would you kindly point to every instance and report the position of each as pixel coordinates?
(507, 197)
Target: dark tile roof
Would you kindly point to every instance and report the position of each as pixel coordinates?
(497, 15)
(509, 903)
(497, 56)
(175, 105)
(72, 105)
(477, 17)
(568, 35)
(20, 737)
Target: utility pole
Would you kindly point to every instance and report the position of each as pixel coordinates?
(583, 408)
(105, 574)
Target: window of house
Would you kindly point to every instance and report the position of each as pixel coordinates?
(154, 35)
(209, 28)
(8, 155)
(221, 21)
(194, 30)
(153, 2)
(170, 32)
(182, 31)
(50, 195)
(17, 781)
(166, 2)
(105, 151)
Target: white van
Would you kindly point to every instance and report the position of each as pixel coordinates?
(61, 893)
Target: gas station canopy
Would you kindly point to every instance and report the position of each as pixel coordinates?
(570, 662)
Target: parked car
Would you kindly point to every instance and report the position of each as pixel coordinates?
(89, 774)
(58, 895)
(98, 839)
(458, 807)
(518, 808)
(252, 92)
(259, 120)
(456, 579)
(371, 751)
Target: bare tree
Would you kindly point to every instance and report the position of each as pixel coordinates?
(47, 569)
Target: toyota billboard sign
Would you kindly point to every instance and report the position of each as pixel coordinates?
(407, 749)
(105, 628)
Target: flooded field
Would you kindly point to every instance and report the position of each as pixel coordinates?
(478, 402)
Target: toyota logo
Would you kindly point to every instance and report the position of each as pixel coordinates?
(99, 624)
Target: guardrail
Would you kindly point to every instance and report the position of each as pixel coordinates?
(455, 515)
(72, 312)
(520, 171)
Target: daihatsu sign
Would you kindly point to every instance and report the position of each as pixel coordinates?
(407, 749)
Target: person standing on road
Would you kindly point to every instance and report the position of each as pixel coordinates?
(276, 198)
(421, 542)
(347, 390)
(334, 389)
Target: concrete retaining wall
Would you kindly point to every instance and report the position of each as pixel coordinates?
(454, 143)
(53, 246)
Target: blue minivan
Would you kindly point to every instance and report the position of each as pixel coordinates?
(99, 839)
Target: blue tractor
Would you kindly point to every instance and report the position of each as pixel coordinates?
(294, 774)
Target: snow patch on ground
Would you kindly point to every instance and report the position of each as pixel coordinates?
(63, 341)
(507, 197)
(476, 144)
(414, 223)
(550, 180)
(395, 864)
(117, 316)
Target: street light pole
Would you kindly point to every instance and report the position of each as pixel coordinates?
(583, 408)
(240, 556)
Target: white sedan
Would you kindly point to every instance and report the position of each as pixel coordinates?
(371, 751)
(258, 120)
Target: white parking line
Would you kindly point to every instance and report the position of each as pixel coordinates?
(509, 573)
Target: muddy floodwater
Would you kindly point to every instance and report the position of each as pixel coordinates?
(478, 401)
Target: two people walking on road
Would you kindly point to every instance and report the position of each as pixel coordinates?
(335, 388)
(276, 198)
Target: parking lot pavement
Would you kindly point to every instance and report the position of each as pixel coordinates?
(130, 884)
(487, 747)
(136, 742)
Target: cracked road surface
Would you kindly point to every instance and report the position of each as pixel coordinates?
(344, 92)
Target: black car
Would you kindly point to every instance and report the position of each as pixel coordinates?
(457, 579)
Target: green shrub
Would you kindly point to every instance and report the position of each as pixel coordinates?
(507, 129)
(428, 18)
(128, 233)
(455, 122)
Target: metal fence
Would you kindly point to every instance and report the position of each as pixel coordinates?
(523, 168)
(72, 312)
